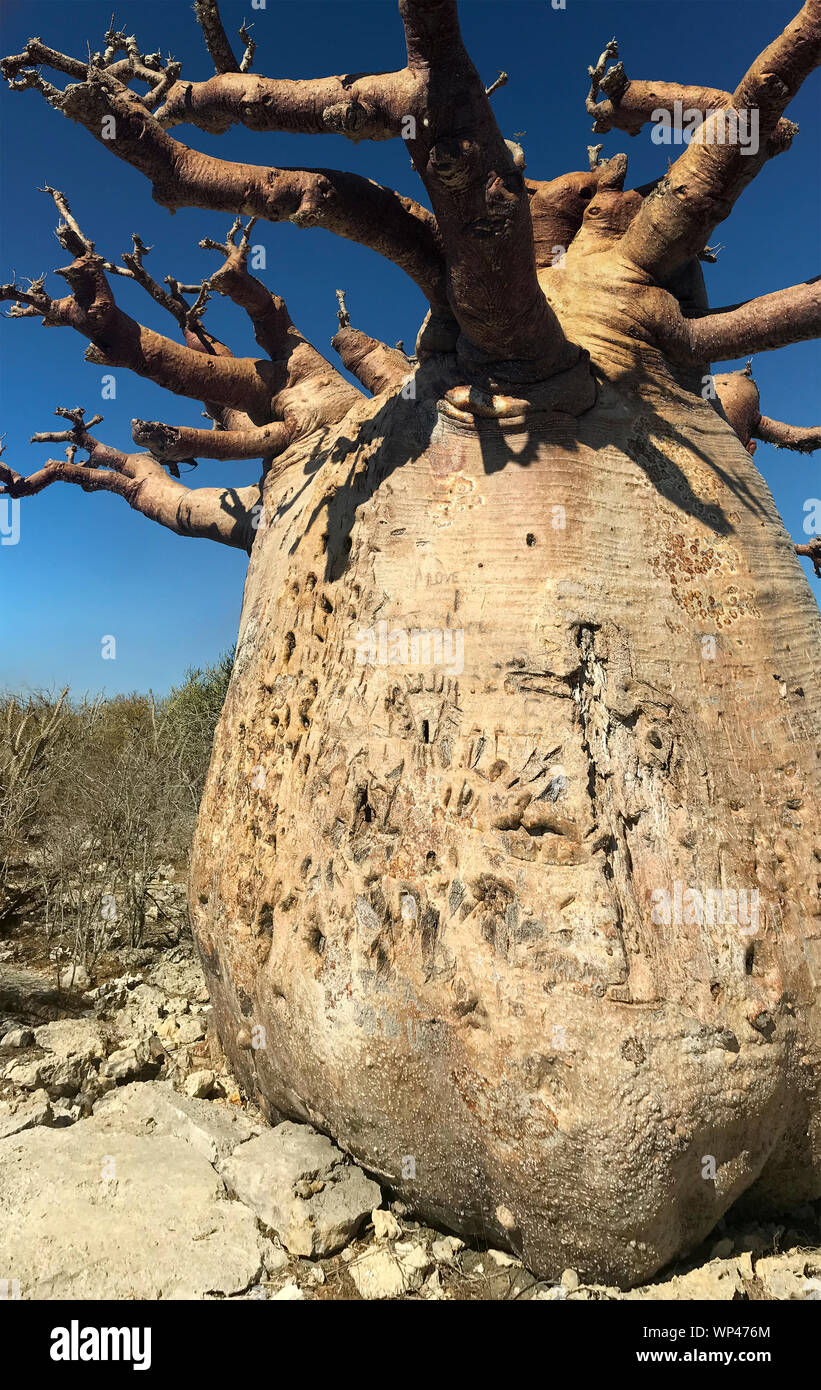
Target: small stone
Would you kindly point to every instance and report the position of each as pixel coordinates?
(18, 1037)
(289, 1293)
(76, 1046)
(506, 1218)
(317, 1275)
(73, 977)
(273, 1174)
(27, 1075)
(199, 1084)
(444, 1251)
(413, 1256)
(275, 1260)
(570, 1279)
(167, 1029)
(388, 1273)
(502, 1258)
(35, 1110)
(744, 1265)
(65, 1114)
(190, 1029)
(126, 1064)
(385, 1225)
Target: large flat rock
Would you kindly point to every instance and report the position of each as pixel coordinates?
(95, 1211)
(26, 991)
(154, 1107)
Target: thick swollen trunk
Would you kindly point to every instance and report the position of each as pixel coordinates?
(532, 927)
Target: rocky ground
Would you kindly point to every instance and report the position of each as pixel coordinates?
(132, 1167)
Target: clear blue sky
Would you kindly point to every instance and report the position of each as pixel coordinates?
(87, 566)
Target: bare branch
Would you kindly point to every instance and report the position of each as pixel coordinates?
(77, 435)
(37, 54)
(630, 104)
(160, 90)
(376, 365)
(612, 82)
(342, 312)
(739, 399)
(369, 106)
(216, 39)
(32, 81)
(760, 325)
(346, 204)
(174, 443)
(226, 515)
(812, 551)
(701, 187)
(307, 387)
(116, 340)
(480, 201)
(35, 299)
(224, 417)
(801, 439)
(69, 235)
(246, 62)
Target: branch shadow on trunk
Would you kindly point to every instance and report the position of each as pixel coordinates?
(403, 429)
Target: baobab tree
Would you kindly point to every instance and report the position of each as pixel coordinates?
(507, 867)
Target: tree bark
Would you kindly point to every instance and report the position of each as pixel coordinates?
(440, 878)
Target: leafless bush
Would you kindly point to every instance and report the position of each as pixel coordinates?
(97, 805)
(32, 732)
